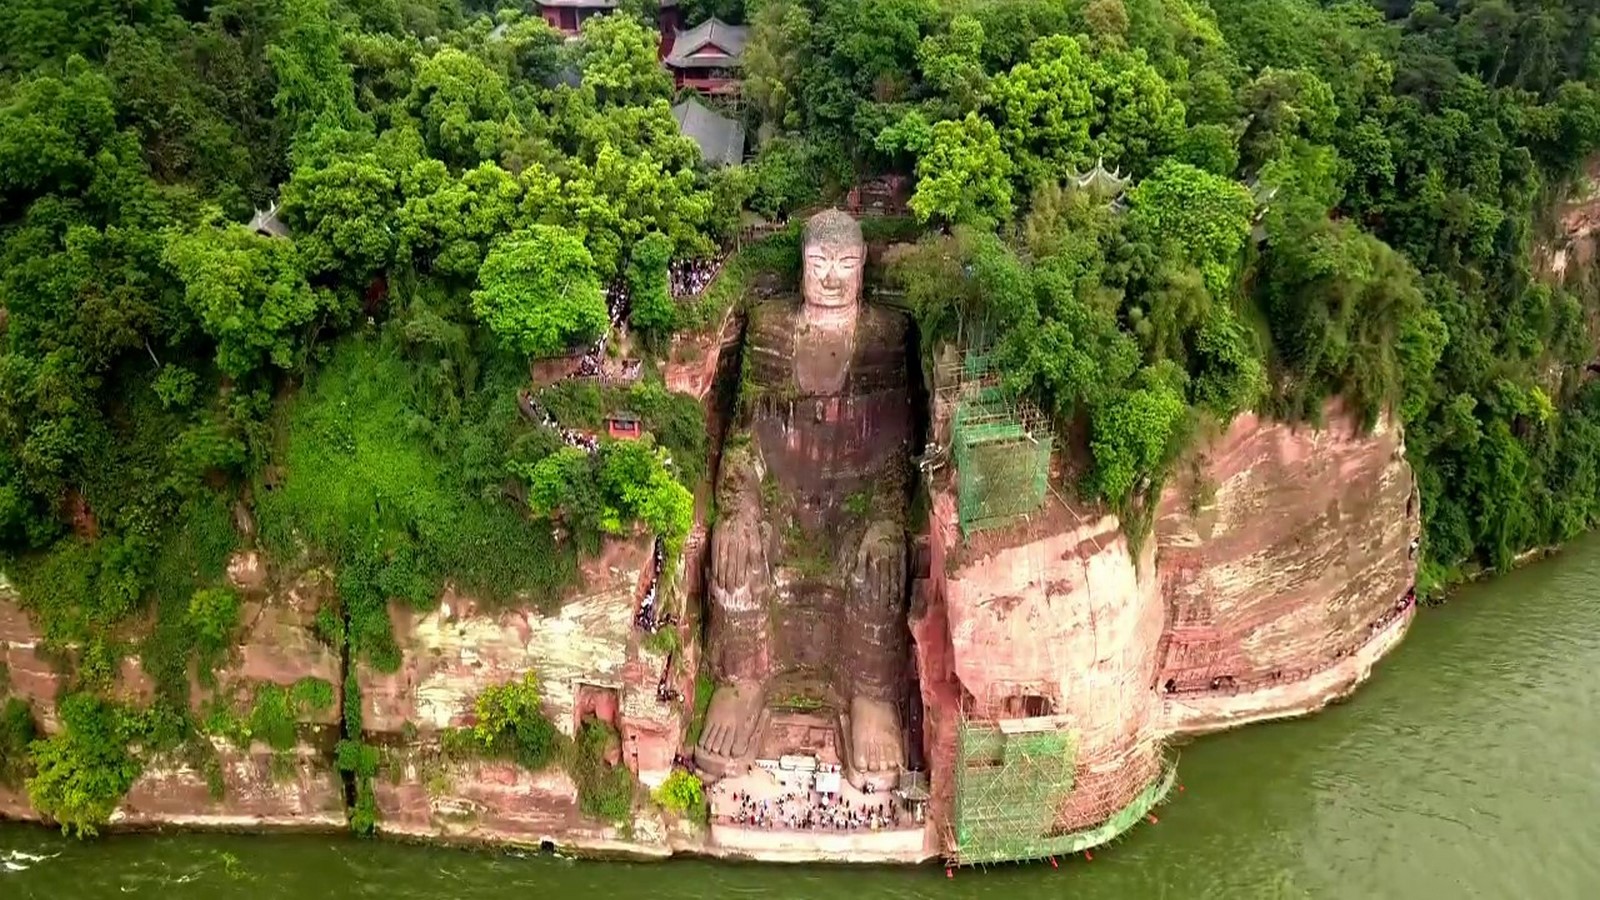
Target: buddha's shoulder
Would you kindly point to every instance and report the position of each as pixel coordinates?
(882, 320)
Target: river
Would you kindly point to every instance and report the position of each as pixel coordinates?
(1467, 767)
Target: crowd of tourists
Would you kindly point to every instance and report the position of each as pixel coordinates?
(810, 811)
(572, 437)
(689, 277)
(648, 617)
(617, 301)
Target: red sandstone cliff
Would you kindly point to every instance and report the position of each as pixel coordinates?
(1269, 588)
(1273, 556)
(589, 661)
(1278, 552)
(258, 786)
(1049, 618)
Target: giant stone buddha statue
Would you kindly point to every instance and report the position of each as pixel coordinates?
(808, 551)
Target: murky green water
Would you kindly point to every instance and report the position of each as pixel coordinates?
(1468, 767)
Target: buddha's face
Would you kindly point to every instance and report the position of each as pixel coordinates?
(833, 264)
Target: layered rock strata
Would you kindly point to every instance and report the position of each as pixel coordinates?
(1284, 553)
(588, 659)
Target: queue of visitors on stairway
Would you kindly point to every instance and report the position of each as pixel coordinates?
(689, 277)
(810, 811)
(617, 302)
(572, 437)
(647, 618)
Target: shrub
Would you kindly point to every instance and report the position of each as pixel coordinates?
(684, 794)
(82, 773)
(17, 731)
(213, 615)
(604, 791)
(511, 724)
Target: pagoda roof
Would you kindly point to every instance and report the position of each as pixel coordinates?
(711, 43)
(721, 139)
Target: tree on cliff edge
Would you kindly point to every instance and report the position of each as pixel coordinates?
(539, 292)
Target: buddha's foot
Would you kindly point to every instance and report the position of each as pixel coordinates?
(877, 746)
(731, 725)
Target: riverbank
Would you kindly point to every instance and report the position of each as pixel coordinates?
(1437, 779)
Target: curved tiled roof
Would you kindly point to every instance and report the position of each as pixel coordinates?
(721, 139)
(712, 32)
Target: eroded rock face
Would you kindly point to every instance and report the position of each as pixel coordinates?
(487, 800)
(260, 788)
(30, 674)
(29, 677)
(692, 363)
(1274, 581)
(451, 654)
(1048, 619)
(588, 660)
(1279, 552)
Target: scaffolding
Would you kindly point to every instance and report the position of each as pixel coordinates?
(1000, 442)
(1011, 779)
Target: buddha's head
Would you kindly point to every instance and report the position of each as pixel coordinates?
(833, 254)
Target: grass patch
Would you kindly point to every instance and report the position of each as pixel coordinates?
(274, 715)
(399, 502)
(604, 791)
(704, 687)
(664, 641)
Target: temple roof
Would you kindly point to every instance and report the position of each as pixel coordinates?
(1101, 182)
(711, 43)
(721, 139)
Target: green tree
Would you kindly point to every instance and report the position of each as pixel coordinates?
(314, 85)
(952, 63)
(1045, 108)
(649, 292)
(464, 108)
(964, 176)
(1133, 434)
(538, 292)
(342, 216)
(250, 295)
(775, 58)
(1206, 214)
(637, 487)
(620, 61)
(447, 223)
